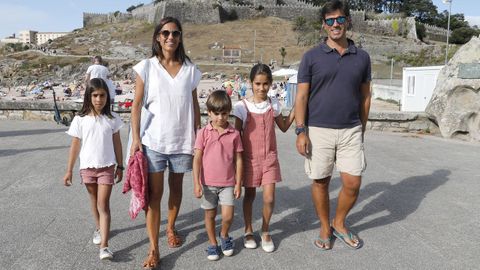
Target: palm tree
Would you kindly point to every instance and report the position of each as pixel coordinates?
(283, 53)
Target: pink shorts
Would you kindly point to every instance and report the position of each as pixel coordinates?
(259, 173)
(104, 176)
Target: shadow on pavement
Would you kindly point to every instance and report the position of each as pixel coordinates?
(29, 132)
(12, 152)
(399, 200)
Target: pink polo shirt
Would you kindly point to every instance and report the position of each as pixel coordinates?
(219, 152)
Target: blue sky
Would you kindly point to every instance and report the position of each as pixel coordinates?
(66, 15)
(469, 8)
(53, 15)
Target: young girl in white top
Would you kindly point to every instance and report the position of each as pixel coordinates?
(96, 128)
(256, 118)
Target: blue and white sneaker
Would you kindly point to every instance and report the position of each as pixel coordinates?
(227, 245)
(213, 253)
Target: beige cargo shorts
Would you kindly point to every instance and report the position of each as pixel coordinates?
(340, 147)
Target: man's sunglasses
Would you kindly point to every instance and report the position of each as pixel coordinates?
(340, 20)
(166, 33)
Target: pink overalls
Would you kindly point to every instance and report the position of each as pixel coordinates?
(260, 160)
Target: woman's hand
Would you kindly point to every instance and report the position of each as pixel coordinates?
(136, 146)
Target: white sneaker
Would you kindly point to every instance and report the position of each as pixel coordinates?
(97, 239)
(267, 246)
(249, 243)
(106, 254)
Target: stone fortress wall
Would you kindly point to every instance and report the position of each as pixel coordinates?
(90, 19)
(212, 12)
(436, 33)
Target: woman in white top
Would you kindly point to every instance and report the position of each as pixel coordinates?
(168, 141)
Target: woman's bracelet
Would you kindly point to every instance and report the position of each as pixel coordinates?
(120, 168)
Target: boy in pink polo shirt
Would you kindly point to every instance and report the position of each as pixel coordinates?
(217, 171)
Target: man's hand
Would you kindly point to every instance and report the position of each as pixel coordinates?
(303, 144)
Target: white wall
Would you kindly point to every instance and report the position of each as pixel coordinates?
(385, 91)
(417, 87)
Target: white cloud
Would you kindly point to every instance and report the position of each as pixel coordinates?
(473, 20)
(14, 18)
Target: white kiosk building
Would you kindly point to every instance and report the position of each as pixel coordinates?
(417, 87)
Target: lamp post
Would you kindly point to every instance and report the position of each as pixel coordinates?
(449, 2)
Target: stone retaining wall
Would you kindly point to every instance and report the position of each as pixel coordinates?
(383, 121)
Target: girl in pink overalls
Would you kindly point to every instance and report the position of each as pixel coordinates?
(255, 119)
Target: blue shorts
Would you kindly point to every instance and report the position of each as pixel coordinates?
(158, 162)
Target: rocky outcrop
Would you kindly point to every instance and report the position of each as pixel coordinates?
(455, 103)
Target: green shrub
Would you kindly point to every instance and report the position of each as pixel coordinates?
(395, 27)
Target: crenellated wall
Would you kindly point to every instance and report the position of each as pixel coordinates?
(404, 27)
(212, 12)
(288, 12)
(193, 12)
(436, 33)
(147, 12)
(98, 18)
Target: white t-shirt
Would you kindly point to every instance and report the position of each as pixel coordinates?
(170, 101)
(111, 89)
(240, 111)
(98, 71)
(96, 134)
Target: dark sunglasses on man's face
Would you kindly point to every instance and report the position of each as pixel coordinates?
(340, 20)
(166, 33)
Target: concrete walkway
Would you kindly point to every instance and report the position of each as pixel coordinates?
(418, 209)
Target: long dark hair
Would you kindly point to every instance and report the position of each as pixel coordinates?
(261, 69)
(180, 54)
(95, 84)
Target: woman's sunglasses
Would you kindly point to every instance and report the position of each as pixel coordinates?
(166, 33)
(340, 20)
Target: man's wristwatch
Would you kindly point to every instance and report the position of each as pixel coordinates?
(300, 129)
(120, 168)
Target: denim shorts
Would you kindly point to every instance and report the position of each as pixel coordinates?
(158, 162)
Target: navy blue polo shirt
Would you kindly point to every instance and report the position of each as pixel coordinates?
(335, 80)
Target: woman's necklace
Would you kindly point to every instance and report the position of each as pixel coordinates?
(265, 104)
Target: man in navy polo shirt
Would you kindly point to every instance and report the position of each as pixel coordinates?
(331, 112)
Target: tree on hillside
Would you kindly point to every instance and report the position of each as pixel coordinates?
(423, 10)
(283, 53)
(300, 26)
(456, 20)
(421, 31)
(463, 35)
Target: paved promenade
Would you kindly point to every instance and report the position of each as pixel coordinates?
(418, 209)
